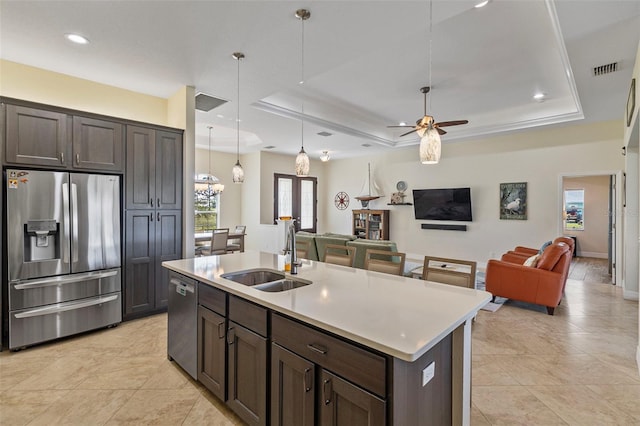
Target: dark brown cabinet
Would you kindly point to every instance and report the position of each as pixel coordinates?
(154, 169)
(212, 372)
(351, 380)
(97, 144)
(39, 137)
(36, 137)
(293, 390)
(153, 188)
(152, 237)
(343, 403)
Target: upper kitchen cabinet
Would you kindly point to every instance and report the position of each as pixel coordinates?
(36, 137)
(40, 137)
(154, 169)
(97, 144)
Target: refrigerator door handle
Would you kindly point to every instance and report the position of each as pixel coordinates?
(65, 220)
(46, 282)
(74, 223)
(62, 307)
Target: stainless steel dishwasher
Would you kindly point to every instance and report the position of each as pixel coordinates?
(182, 336)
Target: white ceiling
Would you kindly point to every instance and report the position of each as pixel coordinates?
(365, 62)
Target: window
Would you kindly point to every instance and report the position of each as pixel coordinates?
(296, 197)
(206, 203)
(574, 209)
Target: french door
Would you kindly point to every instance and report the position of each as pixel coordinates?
(296, 197)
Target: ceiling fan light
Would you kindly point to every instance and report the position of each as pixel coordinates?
(302, 163)
(238, 173)
(430, 146)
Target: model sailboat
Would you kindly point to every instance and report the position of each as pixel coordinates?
(370, 190)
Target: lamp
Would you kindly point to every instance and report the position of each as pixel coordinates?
(302, 159)
(237, 171)
(325, 156)
(430, 144)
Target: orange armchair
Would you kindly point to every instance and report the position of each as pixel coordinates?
(541, 285)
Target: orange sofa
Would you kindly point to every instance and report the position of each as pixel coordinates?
(528, 251)
(542, 284)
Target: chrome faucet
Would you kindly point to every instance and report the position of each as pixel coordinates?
(291, 248)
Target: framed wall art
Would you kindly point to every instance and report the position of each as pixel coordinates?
(513, 201)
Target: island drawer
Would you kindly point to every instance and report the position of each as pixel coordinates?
(353, 363)
(248, 314)
(212, 298)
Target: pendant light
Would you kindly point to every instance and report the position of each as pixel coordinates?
(430, 144)
(237, 171)
(302, 160)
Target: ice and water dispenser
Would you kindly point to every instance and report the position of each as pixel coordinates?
(41, 240)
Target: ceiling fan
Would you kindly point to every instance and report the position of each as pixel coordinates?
(423, 123)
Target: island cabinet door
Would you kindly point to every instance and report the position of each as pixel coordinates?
(247, 374)
(292, 389)
(343, 403)
(211, 351)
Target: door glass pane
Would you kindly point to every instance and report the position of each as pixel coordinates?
(285, 197)
(306, 204)
(574, 209)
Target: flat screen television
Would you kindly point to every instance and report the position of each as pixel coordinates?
(442, 204)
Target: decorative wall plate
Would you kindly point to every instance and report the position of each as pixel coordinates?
(341, 200)
(401, 186)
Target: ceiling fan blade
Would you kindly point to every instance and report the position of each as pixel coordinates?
(398, 126)
(452, 123)
(408, 133)
(440, 131)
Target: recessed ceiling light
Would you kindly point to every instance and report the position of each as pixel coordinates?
(481, 4)
(539, 96)
(77, 38)
(219, 115)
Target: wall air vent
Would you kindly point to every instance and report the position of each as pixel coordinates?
(206, 102)
(605, 69)
(323, 133)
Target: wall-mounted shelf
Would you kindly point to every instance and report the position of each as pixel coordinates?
(400, 204)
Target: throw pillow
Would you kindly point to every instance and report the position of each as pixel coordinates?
(544, 246)
(532, 261)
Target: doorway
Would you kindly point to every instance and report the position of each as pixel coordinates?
(589, 205)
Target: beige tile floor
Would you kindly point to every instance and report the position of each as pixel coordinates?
(574, 368)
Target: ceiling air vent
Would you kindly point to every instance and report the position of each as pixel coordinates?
(269, 147)
(206, 102)
(323, 133)
(605, 69)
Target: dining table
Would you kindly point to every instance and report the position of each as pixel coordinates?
(203, 237)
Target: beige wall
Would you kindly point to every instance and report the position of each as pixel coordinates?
(51, 88)
(593, 240)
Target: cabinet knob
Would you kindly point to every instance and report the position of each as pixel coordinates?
(231, 336)
(151, 201)
(151, 216)
(221, 330)
(321, 351)
(78, 159)
(62, 158)
(308, 380)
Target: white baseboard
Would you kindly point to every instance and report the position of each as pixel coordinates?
(630, 295)
(592, 254)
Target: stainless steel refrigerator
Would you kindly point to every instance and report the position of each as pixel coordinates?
(63, 254)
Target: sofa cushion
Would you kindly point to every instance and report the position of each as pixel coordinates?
(345, 236)
(532, 261)
(551, 255)
(544, 246)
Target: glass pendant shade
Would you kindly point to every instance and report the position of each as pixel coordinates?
(302, 163)
(430, 146)
(238, 173)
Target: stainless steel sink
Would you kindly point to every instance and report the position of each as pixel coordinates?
(253, 277)
(282, 285)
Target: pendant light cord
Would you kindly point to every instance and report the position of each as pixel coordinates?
(238, 117)
(430, 49)
(302, 82)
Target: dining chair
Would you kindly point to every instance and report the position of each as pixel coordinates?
(233, 244)
(302, 249)
(384, 261)
(218, 242)
(339, 255)
(461, 273)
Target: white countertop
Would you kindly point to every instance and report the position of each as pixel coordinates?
(399, 316)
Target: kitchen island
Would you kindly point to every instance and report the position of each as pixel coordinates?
(392, 350)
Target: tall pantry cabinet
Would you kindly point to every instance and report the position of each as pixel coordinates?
(153, 217)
